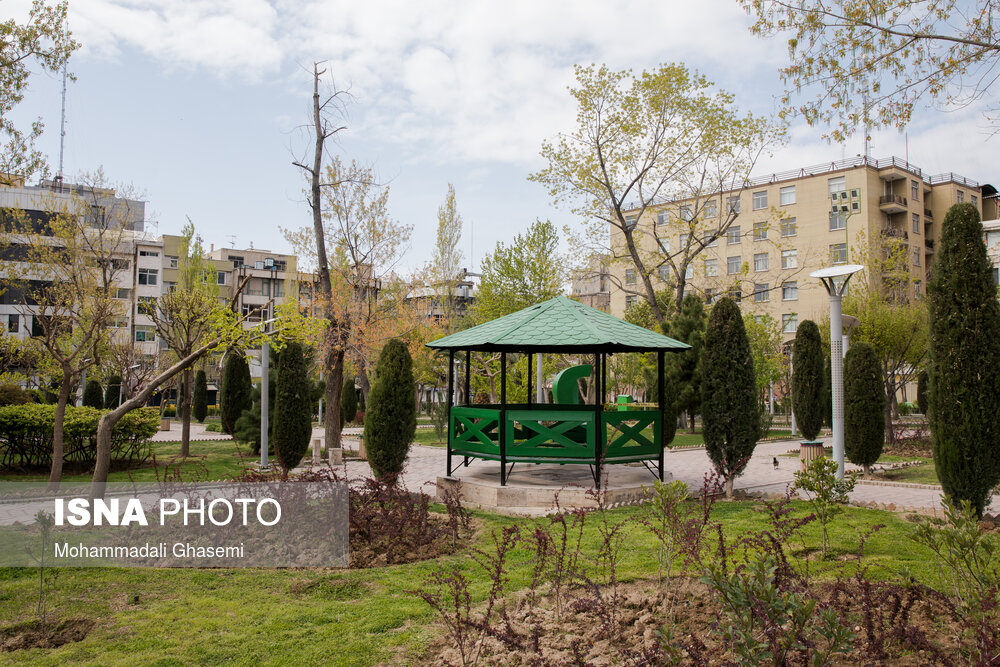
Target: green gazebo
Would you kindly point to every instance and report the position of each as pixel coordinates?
(562, 432)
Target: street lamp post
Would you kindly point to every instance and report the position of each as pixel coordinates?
(835, 279)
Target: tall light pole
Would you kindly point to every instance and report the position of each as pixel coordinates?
(835, 279)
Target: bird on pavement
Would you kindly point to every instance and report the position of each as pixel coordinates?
(775, 462)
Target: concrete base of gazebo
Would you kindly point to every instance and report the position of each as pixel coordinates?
(532, 489)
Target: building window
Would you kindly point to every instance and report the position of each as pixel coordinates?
(760, 292)
(687, 215)
(915, 190)
(145, 334)
(236, 260)
(916, 256)
(13, 323)
(630, 276)
(147, 276)
(149, 253)
(221, 277)
(975, 201)
(629, 301)
(789, 322)
(711, 240)
(168, 287)
(760, 261)
(733, 264)
(663, 272)
(960, 196)
(838, 253)
(760, 231)
(917, 288)
(916, 223)
(689, 272)
(838, 220)
(173, 261)
(684, 240)
(711, 268)
(787, 195)
(630, 222)
(789, 259)
(760, 200)
(837, 185)
(123, 293)
(710, 295)
(146, 305)
(996, 277)
(735, 294)
(789, 290)
(733, 204)
(789, 228)
(733, 235)
(711, 208)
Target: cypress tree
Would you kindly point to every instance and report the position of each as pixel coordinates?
(687, 326)
(293, 423)
(669, 407)
(236, 392)
(348, 401)
(731, 418)
(864, 407)
(93, 395)
(827, 391)
(391, 418)
(922, 392)
(807, 379)
(964, 396)
(112, 392)
(199, 402)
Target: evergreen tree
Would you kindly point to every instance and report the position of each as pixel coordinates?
(922, 392)
(669, 407)
(93, 395)
(964, 396)
(731, 418)
(236, 392)
(199, 401)
(391, 419)
(864, 407)
(293, 424)
(827, 391)
(348, 401)
(113, 392)
(807, 379)
(687, 326)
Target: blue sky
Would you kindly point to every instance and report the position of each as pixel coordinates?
(197, 103)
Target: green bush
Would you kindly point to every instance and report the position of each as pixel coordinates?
(922, 392)
(199, 401)
(348, 402)
(864, 407)
(112, 392)
(26, 435)
(391, 418)
(213, 427)
(293, 423)
(964, 397)
(907, 409)
(807, 379)
(729, 393)
(169, 411)
(93, 395)
(236, 393)
(11, 394)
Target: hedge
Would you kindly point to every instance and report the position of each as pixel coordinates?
(26, 435)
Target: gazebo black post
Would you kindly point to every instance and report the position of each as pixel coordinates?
(451, 389)
(468, 366)
(502, 426)
(528, 383)
(660, 393)
(598, 429)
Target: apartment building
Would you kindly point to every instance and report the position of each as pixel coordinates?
(591, 286)
(791, 223)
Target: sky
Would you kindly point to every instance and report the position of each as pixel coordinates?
(200, 104)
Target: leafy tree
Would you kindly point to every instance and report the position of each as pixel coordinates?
(112, 394)
(869, 63)
(864, 401)
(824, 492)
(446, 262)
(807, 379)
(293, 418)
(348, 401)
(922, 392)
(964, 398)
(641, 139)
(730, 412)
(669, 407)
(93, 395)
(391, 418)
(199, 400)
(684, 368)
(44, 39)
(235, 394)
(769, 362)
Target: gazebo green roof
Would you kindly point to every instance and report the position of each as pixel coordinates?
(558, 325)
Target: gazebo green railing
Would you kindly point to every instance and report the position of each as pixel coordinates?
(563, 432)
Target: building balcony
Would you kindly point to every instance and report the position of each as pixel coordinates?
(894, 234)
(928, 215)
(929, 245)
(892, 204)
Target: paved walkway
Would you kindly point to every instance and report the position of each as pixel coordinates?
(198, 432)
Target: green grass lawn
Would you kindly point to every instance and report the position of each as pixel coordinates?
(209, 460)
(340, 617)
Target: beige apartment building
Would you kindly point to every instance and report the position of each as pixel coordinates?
(791, 223)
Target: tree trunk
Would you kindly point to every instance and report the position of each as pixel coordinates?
(729, 488)
(58, 429)
(890, 434)
(691, 416)
(334, 363)
(366, 385)
(185, 409)
(868, 470)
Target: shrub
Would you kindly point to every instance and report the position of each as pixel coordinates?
(236, 392)
(348, 402)
(213, 427)
(922, 392)
(391, 419)
(807, 379)
(113, 392)
(293, 423)
(199, 401)
(11, 394)
(729, 393)
(864, 407)
(93, 395)
(824, 492)
(169, 411)
(964, 398)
